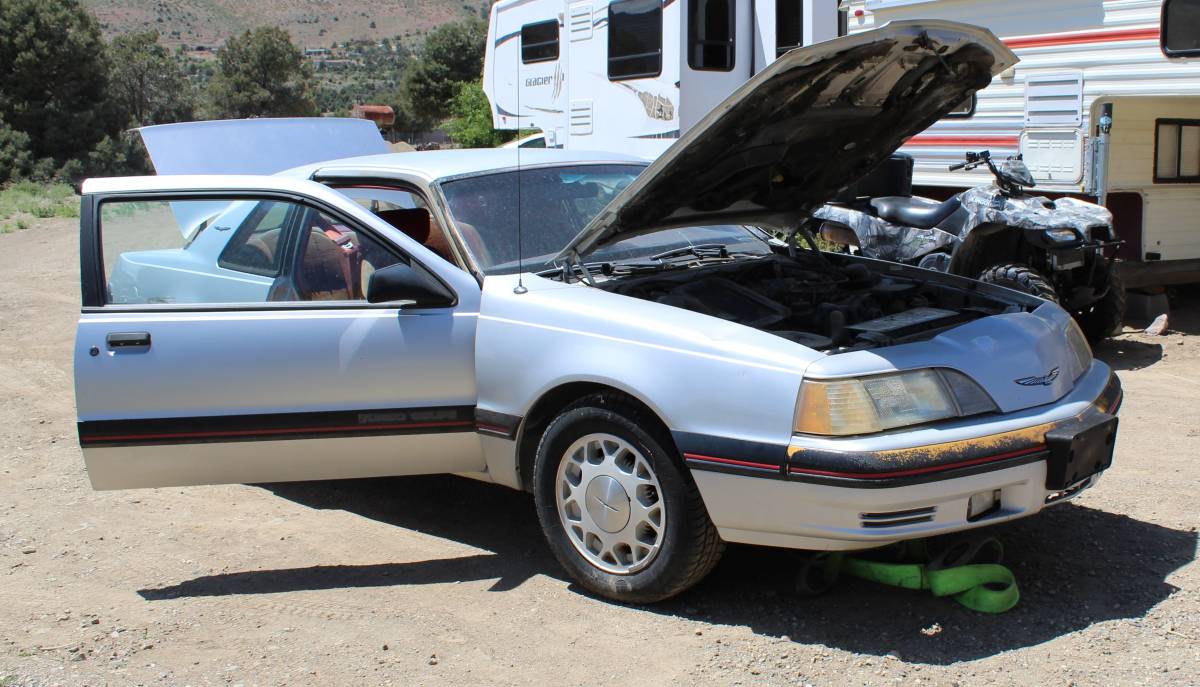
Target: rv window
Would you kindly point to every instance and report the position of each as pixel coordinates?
(1180, 28)
(539, 42)
(964, 109)
(710, 35)
(789, 25)
(1177, 151)
(634, 39)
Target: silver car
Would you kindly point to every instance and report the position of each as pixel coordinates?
(634, 344)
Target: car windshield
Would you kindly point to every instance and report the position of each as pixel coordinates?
(556, 203)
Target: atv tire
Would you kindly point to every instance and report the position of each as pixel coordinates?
(1106, 315)
(1020, 278)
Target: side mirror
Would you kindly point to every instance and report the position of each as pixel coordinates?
(1180, 21)
(401, 282)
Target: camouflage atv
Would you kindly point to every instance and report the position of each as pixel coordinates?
(998, 233)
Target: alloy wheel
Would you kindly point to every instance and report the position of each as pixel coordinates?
(610, 503)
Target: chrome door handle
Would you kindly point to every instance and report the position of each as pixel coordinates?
(128, 340)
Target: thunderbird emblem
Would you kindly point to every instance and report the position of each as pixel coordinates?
(1041, 380)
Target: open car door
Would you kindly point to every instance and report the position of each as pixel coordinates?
(241, 348)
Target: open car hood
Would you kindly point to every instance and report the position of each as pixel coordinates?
(815, 120)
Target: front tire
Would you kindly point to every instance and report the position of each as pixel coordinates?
(621, 513)
(1106, 315)
(1020, 278)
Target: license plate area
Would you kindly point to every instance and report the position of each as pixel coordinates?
(1079, 449)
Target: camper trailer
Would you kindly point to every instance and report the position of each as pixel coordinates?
(1105, 103)
(629, 75)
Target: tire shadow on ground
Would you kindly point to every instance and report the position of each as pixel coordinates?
(1076, 566)
(1127, 354)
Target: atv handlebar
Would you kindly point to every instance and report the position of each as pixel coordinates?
(973, 160)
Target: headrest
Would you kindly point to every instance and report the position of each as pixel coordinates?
(412, 221)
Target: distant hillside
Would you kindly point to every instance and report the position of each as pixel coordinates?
(312, 23)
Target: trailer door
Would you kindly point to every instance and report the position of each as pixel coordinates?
(585, 63)
(717, 38)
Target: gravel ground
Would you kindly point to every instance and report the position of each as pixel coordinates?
(434, 580)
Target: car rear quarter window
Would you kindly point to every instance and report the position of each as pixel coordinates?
(254, 247)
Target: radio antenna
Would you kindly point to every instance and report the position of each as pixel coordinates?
(520, 288)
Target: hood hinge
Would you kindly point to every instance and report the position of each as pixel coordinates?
(573, 259)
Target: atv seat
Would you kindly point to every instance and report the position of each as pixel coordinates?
(915, 211)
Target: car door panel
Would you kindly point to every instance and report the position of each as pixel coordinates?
(274, 392)
(276, 361)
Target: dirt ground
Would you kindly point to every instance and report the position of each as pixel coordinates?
(436, 580)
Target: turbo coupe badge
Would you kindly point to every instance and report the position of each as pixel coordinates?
(1042, 380)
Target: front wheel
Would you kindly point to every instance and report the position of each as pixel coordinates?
(621, 513)
(1106, 315)
(1020, 278)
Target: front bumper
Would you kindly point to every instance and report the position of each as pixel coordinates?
(853, 493)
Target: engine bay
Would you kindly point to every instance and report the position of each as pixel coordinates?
(815, 300)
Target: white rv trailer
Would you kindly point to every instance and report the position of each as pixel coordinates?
(620, 76)
(629, 75)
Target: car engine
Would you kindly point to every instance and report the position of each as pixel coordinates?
(815, 300)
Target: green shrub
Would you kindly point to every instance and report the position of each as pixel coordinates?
(472, 123)
(29, 199)
(15, 158)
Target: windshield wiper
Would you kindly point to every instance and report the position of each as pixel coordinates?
(701, 250)
(604, 268)
(634, 267)
(560, 270)
(666, 260)
(702, 253)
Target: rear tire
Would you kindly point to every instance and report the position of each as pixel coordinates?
(1020, 278)
(637, 547)
(1106, 315)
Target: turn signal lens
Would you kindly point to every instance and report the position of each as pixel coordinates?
(865, 405)
(838, 407)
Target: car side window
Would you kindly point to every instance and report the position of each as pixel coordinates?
(232, 250)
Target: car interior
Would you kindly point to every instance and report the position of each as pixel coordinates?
(407, 211)
(331, 261)
(417, 224)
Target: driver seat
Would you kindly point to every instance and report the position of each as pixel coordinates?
(914, 211)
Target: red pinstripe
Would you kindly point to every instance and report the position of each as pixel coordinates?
(1084, 37)
(279, 430)
(964, 141)
(730, 461)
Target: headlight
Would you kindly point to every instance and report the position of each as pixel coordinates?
(863, 405)
(1062, 235)
(1080, 349)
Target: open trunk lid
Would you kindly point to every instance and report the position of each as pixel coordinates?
(257, 146)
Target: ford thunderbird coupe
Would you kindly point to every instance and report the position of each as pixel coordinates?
(658, 352)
